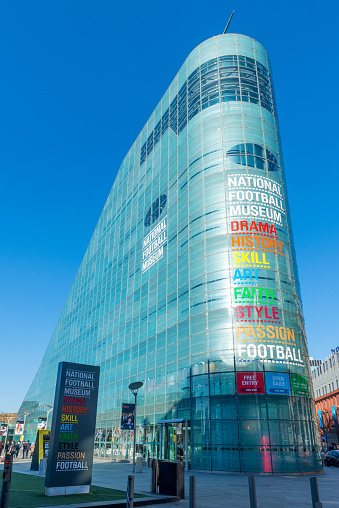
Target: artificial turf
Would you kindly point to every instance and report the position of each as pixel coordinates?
(28, 491)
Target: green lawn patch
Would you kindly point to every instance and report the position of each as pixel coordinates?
(28, 491)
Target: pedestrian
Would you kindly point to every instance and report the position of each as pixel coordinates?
(12, 449)
(32, 449)
(28, 446)
(23, 449)
(18, 446)
(1, 447)
(7, 447)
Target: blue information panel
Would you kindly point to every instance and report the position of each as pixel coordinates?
(278, 384)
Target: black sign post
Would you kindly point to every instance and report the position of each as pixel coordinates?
(6, 481)
(70, 456)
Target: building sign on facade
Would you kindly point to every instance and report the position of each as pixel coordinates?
(250, 382)
(299, 385)
(153, 245)
(70, 456)
(278, 384)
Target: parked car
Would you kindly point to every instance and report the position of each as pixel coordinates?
(332, 458)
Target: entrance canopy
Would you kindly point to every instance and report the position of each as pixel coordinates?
(177, 420)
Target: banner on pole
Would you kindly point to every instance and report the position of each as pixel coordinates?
(19, 428)
(42, 423)
(128, 416)
(321, 421)
(3, 430)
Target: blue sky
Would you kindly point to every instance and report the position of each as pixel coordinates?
(79, 81)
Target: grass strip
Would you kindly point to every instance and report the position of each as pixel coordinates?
(28, 491)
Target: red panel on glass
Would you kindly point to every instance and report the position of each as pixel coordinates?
(250, 382)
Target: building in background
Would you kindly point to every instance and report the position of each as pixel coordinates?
(8, 417)
(325, 378)
(190, 283)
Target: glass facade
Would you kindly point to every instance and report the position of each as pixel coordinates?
(190, 283)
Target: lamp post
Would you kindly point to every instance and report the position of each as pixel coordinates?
(51, 409)
(134, 387)
(26, 413)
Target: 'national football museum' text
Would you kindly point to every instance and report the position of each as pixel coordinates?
(190, 284)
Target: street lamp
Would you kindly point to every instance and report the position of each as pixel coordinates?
(51, 409)
(26, 413)
(134, 387)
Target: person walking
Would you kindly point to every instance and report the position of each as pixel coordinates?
(18, 446)
(7, 447)
(32, 449)
(12, 449)
(1, 447)
(28, 446)
(23, 449)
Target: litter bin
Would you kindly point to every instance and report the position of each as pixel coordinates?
(171, 478)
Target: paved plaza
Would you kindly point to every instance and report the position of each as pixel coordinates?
(222, 490)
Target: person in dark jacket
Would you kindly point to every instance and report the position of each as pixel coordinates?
(28, 447)
(12, 449)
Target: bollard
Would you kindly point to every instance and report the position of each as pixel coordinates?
(138, 465)
(253, 491)
(192, 492)
(154, 476)
(6, 481)
(43, 467)
(130, 492)
(314, 491)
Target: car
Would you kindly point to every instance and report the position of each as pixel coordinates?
(332, 458)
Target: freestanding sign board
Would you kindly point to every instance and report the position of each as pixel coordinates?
(41, 448)
(70, 457)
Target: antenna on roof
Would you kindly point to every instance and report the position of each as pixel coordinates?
(229, 21)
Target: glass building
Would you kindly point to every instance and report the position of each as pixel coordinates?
(190, 283)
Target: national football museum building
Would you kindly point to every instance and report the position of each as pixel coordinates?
(190, 284)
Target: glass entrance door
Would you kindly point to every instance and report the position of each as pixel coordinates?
(174, 441)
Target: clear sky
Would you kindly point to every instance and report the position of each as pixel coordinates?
(79, 80)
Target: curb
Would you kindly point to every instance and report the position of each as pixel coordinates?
(140, 501)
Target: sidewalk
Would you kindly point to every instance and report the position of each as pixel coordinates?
(222, 490)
